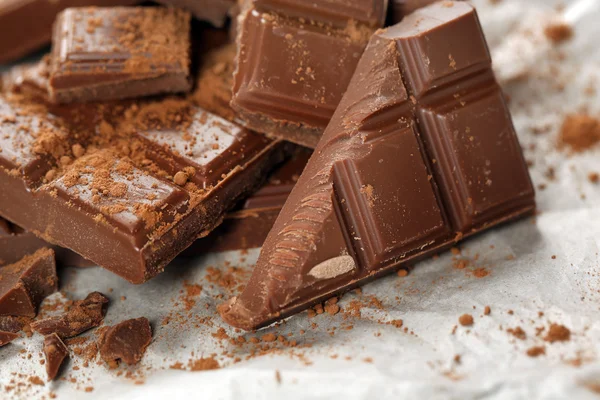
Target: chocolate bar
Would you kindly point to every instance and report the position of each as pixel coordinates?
(130, 192)
(55, 352)
(23, 285)
(295, 60)
(214, 11)
(26, 25)
(398, 9)
(420, 154)
(121, 52)
(126, 341)
(16, 243)
(247, 226)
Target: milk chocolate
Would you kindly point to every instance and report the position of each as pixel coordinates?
(214, 11)
(25, 284)
(83, 315)
(9, 329)
(26, 25)
(121, 52)
(129, 194)
(398, 9)
(420, 154)
(126, 342)
(55, 353)
(295, 60)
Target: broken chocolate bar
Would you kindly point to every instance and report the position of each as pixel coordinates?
(16, 243)
(26, 25)
(420, 153)
(247, 226)
(83, 315)
(398, 9)
(25, 284)
(295, 60)
(55, 352)
(129, 198)
(214, 11)
(122, 52)
(126, 342)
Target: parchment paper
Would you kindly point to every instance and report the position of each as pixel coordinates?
(547, 263)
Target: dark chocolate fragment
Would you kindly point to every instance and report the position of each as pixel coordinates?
(248, 225)
(9, 329)
(126, 342)
(295, 60)
(23, 285)
(55, 352)
(420, 153)
(214, 11)
(26, 25)
(140, 186)
(7, 337)
(116, 53)
(83, 315)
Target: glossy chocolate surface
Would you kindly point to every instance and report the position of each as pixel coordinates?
(214, 11)
(420, 153)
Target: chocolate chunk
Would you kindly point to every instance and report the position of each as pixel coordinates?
(80, 317)
(29, 79)
(420, 153)
(248, 225)
(398, 9)
(118, 186)
(7, 337)
(27, 24)
(214, 11)
(55, 353)
(295, 60)
(115, 53)
(9, 329)
(25, 284)
(126, 341)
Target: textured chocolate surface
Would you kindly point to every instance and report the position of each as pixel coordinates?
(295, 60)
(420, 154)
(126, 341)
(136, 195)
(81, 316)
(248, 225)
(55, 353)
(214, 11)
(121, 52)
(25, 284)
(26, 25)
(9, 329)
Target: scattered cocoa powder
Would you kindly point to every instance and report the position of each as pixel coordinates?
(579, 132)
(558, 333)
(536, 351)
(558, 32)
(466, 320)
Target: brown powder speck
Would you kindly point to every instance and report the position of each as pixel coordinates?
(36, 380)
(466, 320)
(558, 32)
(204, 364)
(487, 310)
(558, 333)
(579, 132)
(181, 178)
(402, 273)
(536, 351)
(269, 337)
(517, 332)
(594, 177)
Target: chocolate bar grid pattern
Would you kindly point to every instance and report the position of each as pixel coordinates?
(445, 160)
(125, 232)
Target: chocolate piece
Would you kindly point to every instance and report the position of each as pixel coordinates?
(16, 243)
(25, 284)
(138, 195)
(214, 11)
(398, 9)
(420, 153)
(295, 60)
(55, 353)
(83, 315)
(29, 79)
(9, 329)
(116, 53)
(126, 341)
(26, 25)
(247, 226)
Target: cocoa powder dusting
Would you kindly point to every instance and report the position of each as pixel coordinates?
(579, 132)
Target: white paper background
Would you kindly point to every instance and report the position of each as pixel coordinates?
(430, 300)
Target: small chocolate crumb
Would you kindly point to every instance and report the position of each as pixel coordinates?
(536, 351)
(55, 352)
(466, 320)
(126, 341)
(558, 333)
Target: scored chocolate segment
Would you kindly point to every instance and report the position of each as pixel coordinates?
(295, 62)
(411, 163)
(121, 52)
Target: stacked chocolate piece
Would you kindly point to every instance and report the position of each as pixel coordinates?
(137, 139)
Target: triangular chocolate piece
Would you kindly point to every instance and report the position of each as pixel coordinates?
(420, 153)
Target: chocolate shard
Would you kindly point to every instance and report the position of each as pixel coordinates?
(23, 285)
(9, 329)
(420, 153)
(6, 337)
(141, 182)
(29, 79)
(126, 342)
(27, 24)
(214, 11)
(55, 352)
(121, 52)
(295, 60)
(81, 316)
